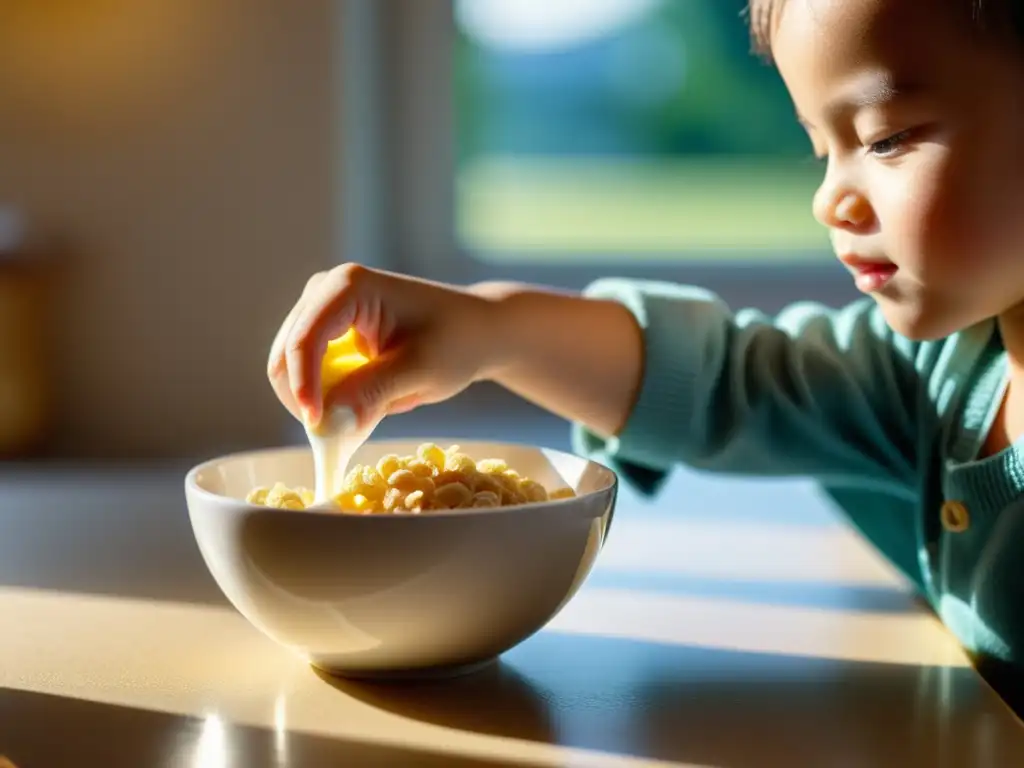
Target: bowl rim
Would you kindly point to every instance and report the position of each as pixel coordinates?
(192, 486)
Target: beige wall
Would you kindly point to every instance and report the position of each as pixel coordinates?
(186, 149)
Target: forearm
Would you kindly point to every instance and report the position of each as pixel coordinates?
(579, 358)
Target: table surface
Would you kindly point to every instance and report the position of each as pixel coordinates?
(728, 623)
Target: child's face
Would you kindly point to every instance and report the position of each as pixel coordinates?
(922, 122)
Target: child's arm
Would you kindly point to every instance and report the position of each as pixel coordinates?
(579, 358)
(652, 374)
(812, 391)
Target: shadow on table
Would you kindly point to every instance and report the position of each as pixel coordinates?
(43, 731)
(717, 707)
(851, 598)
(104, 532)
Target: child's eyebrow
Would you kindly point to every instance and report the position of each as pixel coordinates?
(874, 92)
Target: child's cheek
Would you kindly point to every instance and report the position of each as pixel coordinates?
(968, 199)
(935, 221)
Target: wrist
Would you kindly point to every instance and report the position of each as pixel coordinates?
(494, 328)
(516, 325)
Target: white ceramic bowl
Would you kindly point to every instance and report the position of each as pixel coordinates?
(399, 595)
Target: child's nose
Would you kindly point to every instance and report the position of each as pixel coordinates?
(843, 210)
(853, 209)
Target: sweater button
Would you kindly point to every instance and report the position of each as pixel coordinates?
(955, 517)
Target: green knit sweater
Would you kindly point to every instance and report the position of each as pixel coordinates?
(890, 428)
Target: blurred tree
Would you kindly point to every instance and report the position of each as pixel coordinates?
(678, 81)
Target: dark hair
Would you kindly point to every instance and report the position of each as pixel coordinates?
(1003, 16)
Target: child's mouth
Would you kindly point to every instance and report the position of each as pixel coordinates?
(870, 275)
(871, 279)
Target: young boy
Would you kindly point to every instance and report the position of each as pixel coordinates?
(906, 406)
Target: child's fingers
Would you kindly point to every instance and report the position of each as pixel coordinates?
(276, 359)
(367, 325)
(405, 404)
(394, 379)
(277, 365)
(283, 391)
(330, 310)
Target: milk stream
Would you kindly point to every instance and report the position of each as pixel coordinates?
(333, 443)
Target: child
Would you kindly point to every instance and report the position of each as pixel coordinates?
(905, 406)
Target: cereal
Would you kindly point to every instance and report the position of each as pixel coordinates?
(420, 468)
(488, 483)
(486, 499)
(404, 480)
(510, 498)
(460, 462)
(281, 497)
(509, 482)
(365, 505)
(394, 499)
(433, 479)
(388, 465)
(533, 491)
(492, 466)
(433, 455)
(447, 476)
(258, 496)
(452, 496)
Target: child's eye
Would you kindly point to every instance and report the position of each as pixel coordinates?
(889, 146)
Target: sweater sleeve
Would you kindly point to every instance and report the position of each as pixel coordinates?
(813, 391)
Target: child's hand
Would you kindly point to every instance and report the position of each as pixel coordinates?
(427, 342)
(579, 358)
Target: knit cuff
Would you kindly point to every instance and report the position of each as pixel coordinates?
(645, 448)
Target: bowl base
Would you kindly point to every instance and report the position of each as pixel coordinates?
(410, 675)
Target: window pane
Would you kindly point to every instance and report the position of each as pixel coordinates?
(613, 127)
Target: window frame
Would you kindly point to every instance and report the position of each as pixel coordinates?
(404, 135)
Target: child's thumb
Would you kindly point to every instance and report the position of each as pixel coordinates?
(369, 389)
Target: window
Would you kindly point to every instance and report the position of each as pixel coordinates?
(589, 129)
(556, 141)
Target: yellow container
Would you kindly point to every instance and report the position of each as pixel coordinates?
(344, 354)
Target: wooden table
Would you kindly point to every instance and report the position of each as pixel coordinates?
(729, 623)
